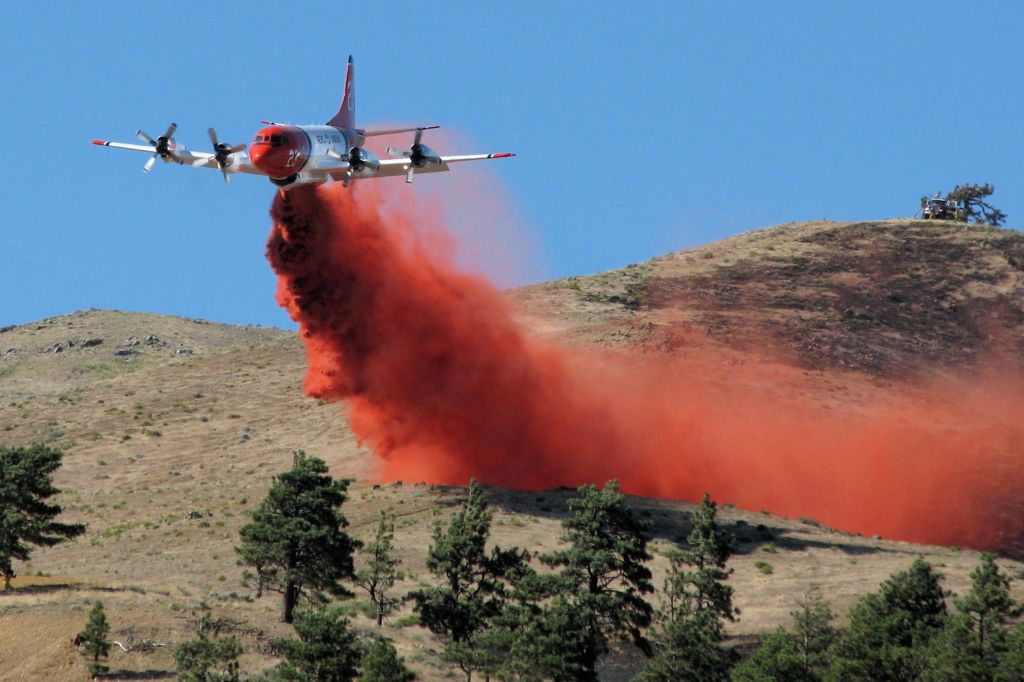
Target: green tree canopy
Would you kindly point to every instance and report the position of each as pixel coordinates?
(474, 583)
(696, 603)
(379, 573)
(208, 657)
(798, 656)
(26, 518)
(987, 607)
(975, 639)
(890, 629)
(604, 571)
(296, 540)
(976, 208)
(327, 650)
(94, 640)
(381, 663)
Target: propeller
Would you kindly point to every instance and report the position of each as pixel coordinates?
(419, 155)
(221, 152)
(161, 145)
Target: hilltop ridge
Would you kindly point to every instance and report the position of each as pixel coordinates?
(892, 299)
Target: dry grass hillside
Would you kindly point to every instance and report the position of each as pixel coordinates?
(891, 299)
(160, 417)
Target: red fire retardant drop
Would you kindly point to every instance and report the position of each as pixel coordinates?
(442, 384)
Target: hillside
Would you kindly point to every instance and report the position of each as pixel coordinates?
(892, 299)
(160, 417)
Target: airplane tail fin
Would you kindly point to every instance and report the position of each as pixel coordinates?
(346, 116)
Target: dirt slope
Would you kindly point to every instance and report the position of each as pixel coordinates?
(166, 416)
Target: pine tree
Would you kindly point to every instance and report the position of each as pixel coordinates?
(296, 539)
(798, 656)
(777, 659)
(813, 631)
(1011, 663)
(327, 650)
(702, 589)
(381, 569)
(890, 630)
(26, 518)
(94, 639)
(381, 663)
(696, 604)
(987, 607)
(475, 583)
(537, 635)
(208, 657)
(604, 571)
(974, 640)
(976, 209)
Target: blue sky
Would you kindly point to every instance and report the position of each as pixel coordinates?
(641, 128)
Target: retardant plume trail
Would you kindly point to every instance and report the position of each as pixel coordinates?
(443, 386)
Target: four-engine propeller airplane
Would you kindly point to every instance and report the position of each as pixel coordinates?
(291, 155)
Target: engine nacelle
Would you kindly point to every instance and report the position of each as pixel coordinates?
(362, 159)
(423, 155)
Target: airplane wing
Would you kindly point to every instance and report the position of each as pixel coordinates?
(125, 145)
(391, 167)
(238, 161)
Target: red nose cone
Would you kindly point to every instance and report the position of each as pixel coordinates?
(279, 151)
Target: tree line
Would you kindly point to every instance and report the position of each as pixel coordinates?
(507, 614)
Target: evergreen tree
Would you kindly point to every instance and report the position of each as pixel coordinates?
(689, 649)
(296, 539)
(976, 208)
(26, 518)
(778, 659)
(971, 645)
(1011, 663)
(813, 631)
(604, 571)
(702, 589)
(475, 583)
(381, 663)
(987, 607)
(94, 639)
(890, 630)
(326, 650)
(536, 636)
(696, 603)
(208, 657)
(381, 570)
(798, 656)
(544, 642)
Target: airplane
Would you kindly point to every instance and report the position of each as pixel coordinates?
(293, 155)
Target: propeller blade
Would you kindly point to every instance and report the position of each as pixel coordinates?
(145, 138)
(408, 177)
(227, 178)
(213, 136)
(149, 164)
(170, 130)
(236, 148)
(419, 135)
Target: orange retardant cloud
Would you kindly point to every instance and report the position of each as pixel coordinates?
(443, 385)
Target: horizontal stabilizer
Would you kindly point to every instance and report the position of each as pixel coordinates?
(392, 131)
